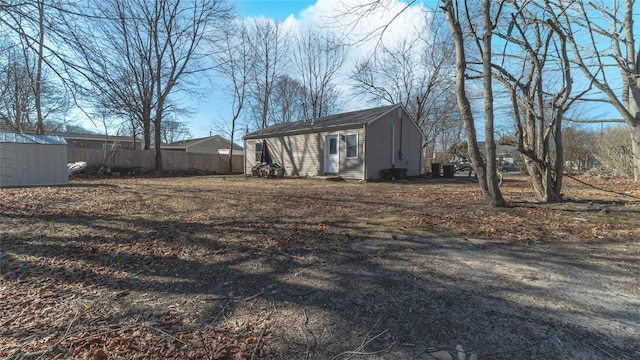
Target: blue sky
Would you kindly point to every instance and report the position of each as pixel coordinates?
(276, 9)
(213, 110)
(296, 13)
(214, 106)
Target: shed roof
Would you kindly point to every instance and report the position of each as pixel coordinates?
(359, 117)
(6, 137)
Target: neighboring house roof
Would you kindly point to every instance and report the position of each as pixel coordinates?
(508, 150)
(31, 139)
(501, 149)
(359, 117)
(93, 137)
(217, 139)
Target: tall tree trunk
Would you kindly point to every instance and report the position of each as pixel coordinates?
(463, 101)
(146, 129)
(158, 142)
(558, 163)
(264, 111)
(635, 150)
(633, 120)
(233, 129)
(495, 195)
(38, 84)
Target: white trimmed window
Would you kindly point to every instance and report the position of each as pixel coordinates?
(351, 145)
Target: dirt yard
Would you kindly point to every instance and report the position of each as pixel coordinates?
(235, 268)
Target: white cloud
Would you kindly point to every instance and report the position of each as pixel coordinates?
(361, 26)
(330, 16)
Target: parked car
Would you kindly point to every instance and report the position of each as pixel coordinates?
(507, 167)
(463, 167)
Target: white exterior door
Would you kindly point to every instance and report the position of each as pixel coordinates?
(331, 157)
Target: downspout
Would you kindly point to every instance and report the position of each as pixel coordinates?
(364, 152)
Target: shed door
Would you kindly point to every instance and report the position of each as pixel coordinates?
(332, 161)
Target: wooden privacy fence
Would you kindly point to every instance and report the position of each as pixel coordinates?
(145, 159)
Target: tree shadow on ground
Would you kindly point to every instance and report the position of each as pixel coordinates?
(327, 294)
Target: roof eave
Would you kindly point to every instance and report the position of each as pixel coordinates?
(304, 131)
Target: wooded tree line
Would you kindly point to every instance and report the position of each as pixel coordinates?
(134, 60)
(605, 149)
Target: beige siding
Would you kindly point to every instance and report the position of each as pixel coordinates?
(383, 151)
(351, 168)
(297, 154)
(303, 154)
(412, 147)
(378, 145)
(391, 140)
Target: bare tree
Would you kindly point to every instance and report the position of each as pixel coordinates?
(113, 57)
(34, 25)
(614, 152)
(173, 130)
(287, 100)
(457, 18)
(466, 33)
(143, 52)
(18, 111)
(16, 103)
(318, 58)
(418, 72)
(30, 30)
(597, 45)
(580, 146)
(535, 68)
(37, 88)
(235, 62)
(177, 32)
(269, 45)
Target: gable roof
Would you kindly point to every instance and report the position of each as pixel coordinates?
(219, 140)
(98, 137)
(501, 149)
(359, 117)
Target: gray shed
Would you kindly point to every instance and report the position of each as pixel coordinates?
(32, 160)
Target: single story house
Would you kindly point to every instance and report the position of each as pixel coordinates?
(355, 145)
(32, 160)
(101, 141)
(215, 144)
